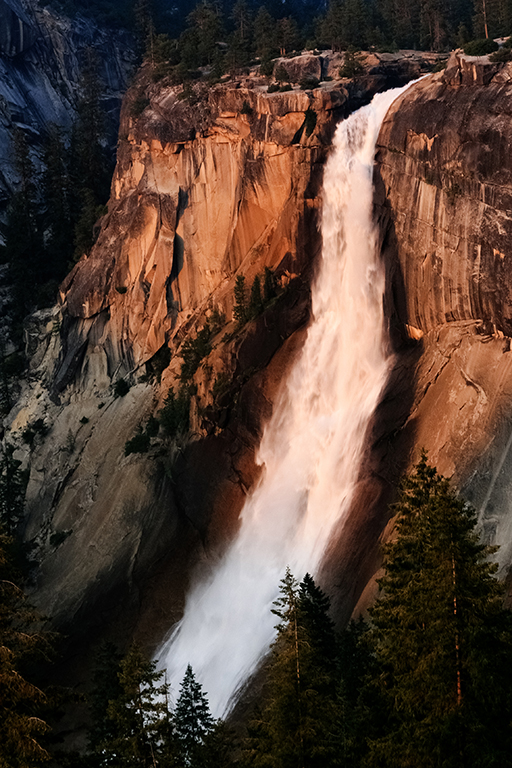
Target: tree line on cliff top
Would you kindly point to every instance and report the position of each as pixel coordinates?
(363, 23)
(227, 36)
(425, 682)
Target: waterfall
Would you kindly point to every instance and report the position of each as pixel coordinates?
(312, 446)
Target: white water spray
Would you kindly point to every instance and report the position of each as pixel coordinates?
(312, 447)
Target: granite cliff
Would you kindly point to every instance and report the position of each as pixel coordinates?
(41, 60)
(225, 183)
(444, 195)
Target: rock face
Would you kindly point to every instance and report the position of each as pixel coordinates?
(198, 195)
(454, 248)
(17, 33)
(41, 56)
(445, 200)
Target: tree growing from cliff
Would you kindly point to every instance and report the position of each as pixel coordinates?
(23, 237)
(92, 168)
(256, 301)
(442, 640)
(143, 14)
(58, 221)
(240, 308)
(12, 490)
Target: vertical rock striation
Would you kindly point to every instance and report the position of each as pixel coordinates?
(445, 199)
(41, 56)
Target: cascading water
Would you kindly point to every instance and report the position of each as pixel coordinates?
(312, 446)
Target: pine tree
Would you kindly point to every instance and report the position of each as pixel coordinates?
(85, 233)
(92, 168)
(265, 34)
(106, 688)
(23, 240)
(194, 724)
(332, 28)
(240, 309)
(288, 35)
(205, 31)
(491, 18)
(313, 611)
(240, 41)
(296, 723)
(443, 642)
(143, 13)
(269, 286)
(256, 300)
(357, 705)
(434, 23)
(139, 730)
(12, 490)
(241, 15)
(402, 21)
(58, 222)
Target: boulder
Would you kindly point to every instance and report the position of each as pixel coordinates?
(302, 67)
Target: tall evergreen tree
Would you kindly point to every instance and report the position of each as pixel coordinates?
(240, 40)
(332, 29)
(240, 308)
(442, 640)
(194, 724)
(401, 21)
(256, 300)
(58, 221)
(92, 168)
(106, 688)
(143, 13)
(288, 35)
(23, 240)
(434, 22)
(296, 723)
(198, 43)
(12, 490)
(492, 18)
(138, 732)
(358, 706)
(265, 34)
